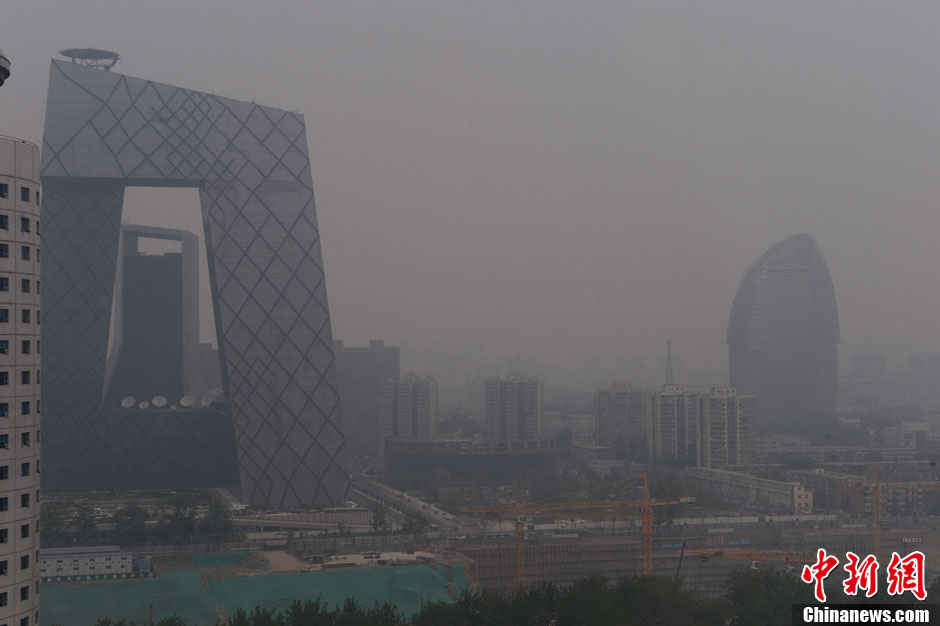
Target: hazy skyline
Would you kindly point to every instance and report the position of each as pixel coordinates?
(568, 182)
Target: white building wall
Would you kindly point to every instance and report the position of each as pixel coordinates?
(20, 381)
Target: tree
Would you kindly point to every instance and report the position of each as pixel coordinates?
(765, 597)
(218, 521)
(380, 523)
(131, 523)
(414, 525)
(85, 526)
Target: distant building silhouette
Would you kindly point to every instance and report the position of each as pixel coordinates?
(782, 334)
(513, 408)
(408, 409)
(360, 371)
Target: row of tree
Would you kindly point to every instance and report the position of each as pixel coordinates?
(754, 598)
(132, 524)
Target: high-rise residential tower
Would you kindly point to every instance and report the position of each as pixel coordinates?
(20, 378)
(782, 334)
(623, 417)
(360, 371)
(513, 408)
(408, 409)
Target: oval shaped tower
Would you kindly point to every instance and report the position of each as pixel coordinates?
(782, 334)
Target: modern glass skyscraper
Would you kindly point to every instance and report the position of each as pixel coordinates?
(105, 132)
(783, 332)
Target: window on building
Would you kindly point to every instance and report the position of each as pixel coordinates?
(37, 197)
(4, 505)
(24, 593)
(38, 436)
(3, 598)
(4, 222)
(4, 251)
(38, 290)
(4, 283)
(4, 568)
(24, 439)
(4, 190)
(37, 255)
(24, 224)
(24, 407)
(24, 253)
(25, 346)
(24, 500)
(24, 469)
(24, 531)
(24, 621)
(24, 194)
(4, 472)
(24, 377)
(4, 346)
(4, 441)
(24, 285)
(4, 378)
(37, 376)
(39, 406)
(24, 316)
(4, 409)
(37, 227)
(4, 313)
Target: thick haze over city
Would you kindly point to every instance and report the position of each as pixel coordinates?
(569, 181)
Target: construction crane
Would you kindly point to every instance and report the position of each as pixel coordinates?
(646, 516)
(756, 556)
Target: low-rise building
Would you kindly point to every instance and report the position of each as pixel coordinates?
(90, 563)
(771, 495)
(834, 491)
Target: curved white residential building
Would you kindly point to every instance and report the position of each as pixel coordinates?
(20, 380)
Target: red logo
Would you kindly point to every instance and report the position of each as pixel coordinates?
(907, 574)
(862, 575)
(819, 571)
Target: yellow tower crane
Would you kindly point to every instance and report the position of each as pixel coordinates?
(646, 516)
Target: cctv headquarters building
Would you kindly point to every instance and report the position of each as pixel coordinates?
(126, 404)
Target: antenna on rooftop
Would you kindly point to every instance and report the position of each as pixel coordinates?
(670, 378)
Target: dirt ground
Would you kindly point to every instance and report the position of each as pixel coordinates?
(277, 561)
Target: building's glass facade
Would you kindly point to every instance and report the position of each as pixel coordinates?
(104, 132)
(783, 332)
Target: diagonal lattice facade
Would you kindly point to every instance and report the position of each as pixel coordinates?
(104, 132)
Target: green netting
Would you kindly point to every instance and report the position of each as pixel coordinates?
(405, 587)
(218, 559)
(181, 593)
(172, 593)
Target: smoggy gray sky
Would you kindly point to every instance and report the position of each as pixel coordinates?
(567, 180)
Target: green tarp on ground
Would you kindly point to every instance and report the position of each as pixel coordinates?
(402, 586)
(171, 593)
(181, 592)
